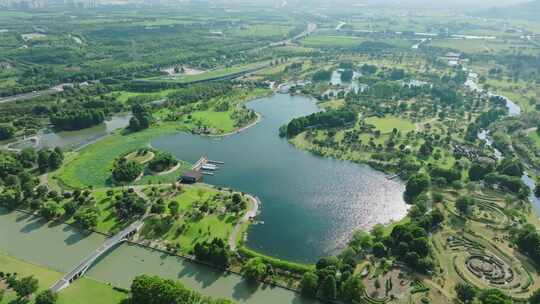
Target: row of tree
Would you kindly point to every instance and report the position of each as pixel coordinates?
(326, 119)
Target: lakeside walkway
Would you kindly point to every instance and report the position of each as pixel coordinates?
(250, 214)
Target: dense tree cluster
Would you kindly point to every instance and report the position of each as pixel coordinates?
(125, 171)
(162, 161)
(198, 92)
(155, 290)
(47, 160)
(6, 132)
(215, 252)
(322, 75)
(333, 279)
(23, 287)
(416, 184)
(327, 119)
(77, 119)
(142, 117)
(409, 244)
(129, 205)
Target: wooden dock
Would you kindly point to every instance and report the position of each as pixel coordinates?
(202, 164)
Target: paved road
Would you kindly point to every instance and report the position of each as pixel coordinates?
(25, 96)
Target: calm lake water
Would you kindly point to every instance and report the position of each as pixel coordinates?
(310, 205)
(75, 139)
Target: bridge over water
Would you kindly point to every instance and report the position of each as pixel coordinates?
(81, 269)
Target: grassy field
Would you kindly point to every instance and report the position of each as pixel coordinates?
(387, 124)
(123, 96)
(98, 159)
(331, 41)
(189, 229)
(83, 291)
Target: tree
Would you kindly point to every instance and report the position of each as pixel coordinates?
(535, 297)
(494, 296)
(353, 289)
(215, 252)
(142, 117)
(465, 292)
(26, 286)
(464, 205)
(134, 124)
(322, 75)
(255, 269)
(50, 210)
(326, 262)
(368, 69)
(6, 132)
(46, 297)
(154, 290)
(174, 208)
(478, 170)
(162, 161)
(426, 149)
(379, 250)
(328, 288)
(309, 284)
(416, 184)
(55, 160)
(87, 217)
(43, 160)
(347, 75)
(510, 167)
(126, 170)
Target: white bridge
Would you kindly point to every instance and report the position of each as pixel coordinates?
(81, 269)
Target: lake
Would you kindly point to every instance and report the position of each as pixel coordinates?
(310, 205)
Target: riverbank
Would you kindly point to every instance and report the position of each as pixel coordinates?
(83, 291)
(62, 246)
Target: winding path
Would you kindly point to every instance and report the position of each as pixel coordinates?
(250, 214)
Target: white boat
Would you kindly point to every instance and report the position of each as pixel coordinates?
(209, 167)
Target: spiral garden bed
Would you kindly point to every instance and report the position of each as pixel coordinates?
(484, 268)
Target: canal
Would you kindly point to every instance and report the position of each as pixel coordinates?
(61, 247)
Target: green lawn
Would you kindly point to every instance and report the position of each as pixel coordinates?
(92, 165)
(212, 225)
(387, 124)
(83, 291)
(216, 120)
(123, 96)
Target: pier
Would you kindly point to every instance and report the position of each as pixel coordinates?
(206, 166)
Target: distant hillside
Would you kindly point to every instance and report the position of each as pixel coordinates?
(454, 4)
(528, 10)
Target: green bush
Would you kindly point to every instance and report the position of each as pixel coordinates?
(276, 263)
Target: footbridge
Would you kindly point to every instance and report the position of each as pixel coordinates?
(81, 269)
